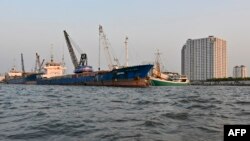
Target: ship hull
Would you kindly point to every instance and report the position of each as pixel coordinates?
(29, 79)
(134, 76)
(160, 82)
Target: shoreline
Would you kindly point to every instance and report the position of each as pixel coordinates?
(222, 83)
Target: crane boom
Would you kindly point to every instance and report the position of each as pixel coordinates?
(42, 64)
(82, 65)
(38, 65)
(106, 46)
(71, 51)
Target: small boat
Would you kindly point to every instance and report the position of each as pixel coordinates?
(159, 78)
(169, 82)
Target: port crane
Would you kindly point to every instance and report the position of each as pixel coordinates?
(82, 65)
(104, 42)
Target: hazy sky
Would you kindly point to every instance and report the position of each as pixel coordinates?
(29, 26)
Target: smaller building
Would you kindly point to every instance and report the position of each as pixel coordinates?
(240, 72)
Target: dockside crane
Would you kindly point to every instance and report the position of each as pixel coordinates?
(103, 41)
(82, 65)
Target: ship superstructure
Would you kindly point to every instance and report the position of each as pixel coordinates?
(53, 69)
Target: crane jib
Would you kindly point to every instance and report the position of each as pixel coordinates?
(79, 66)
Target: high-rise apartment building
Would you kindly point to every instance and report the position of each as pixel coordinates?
(204, 58)
(240, 71)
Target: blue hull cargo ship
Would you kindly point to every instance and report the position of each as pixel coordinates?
(24, 79)
(133, 76)
(120, 76)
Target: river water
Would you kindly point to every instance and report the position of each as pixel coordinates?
(80, 113)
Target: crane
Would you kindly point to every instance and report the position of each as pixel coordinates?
(82, 65)
(38, 63)
(105, 43)
(71, 50)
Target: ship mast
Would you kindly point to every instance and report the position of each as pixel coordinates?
(99, 59)
(157, 63)
(23, 70)
(126, 48)
(51, 54)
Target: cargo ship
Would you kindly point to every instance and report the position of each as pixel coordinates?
(21, 77)
(133, 76)
(13, 77)
(117, 75)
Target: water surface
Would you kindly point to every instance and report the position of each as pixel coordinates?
(80, 113)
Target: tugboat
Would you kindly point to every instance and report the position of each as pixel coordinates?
(159, 78)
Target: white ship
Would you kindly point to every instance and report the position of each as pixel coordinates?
(159, 78)
(53, 69)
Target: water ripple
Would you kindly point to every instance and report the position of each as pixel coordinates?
(76, 113)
